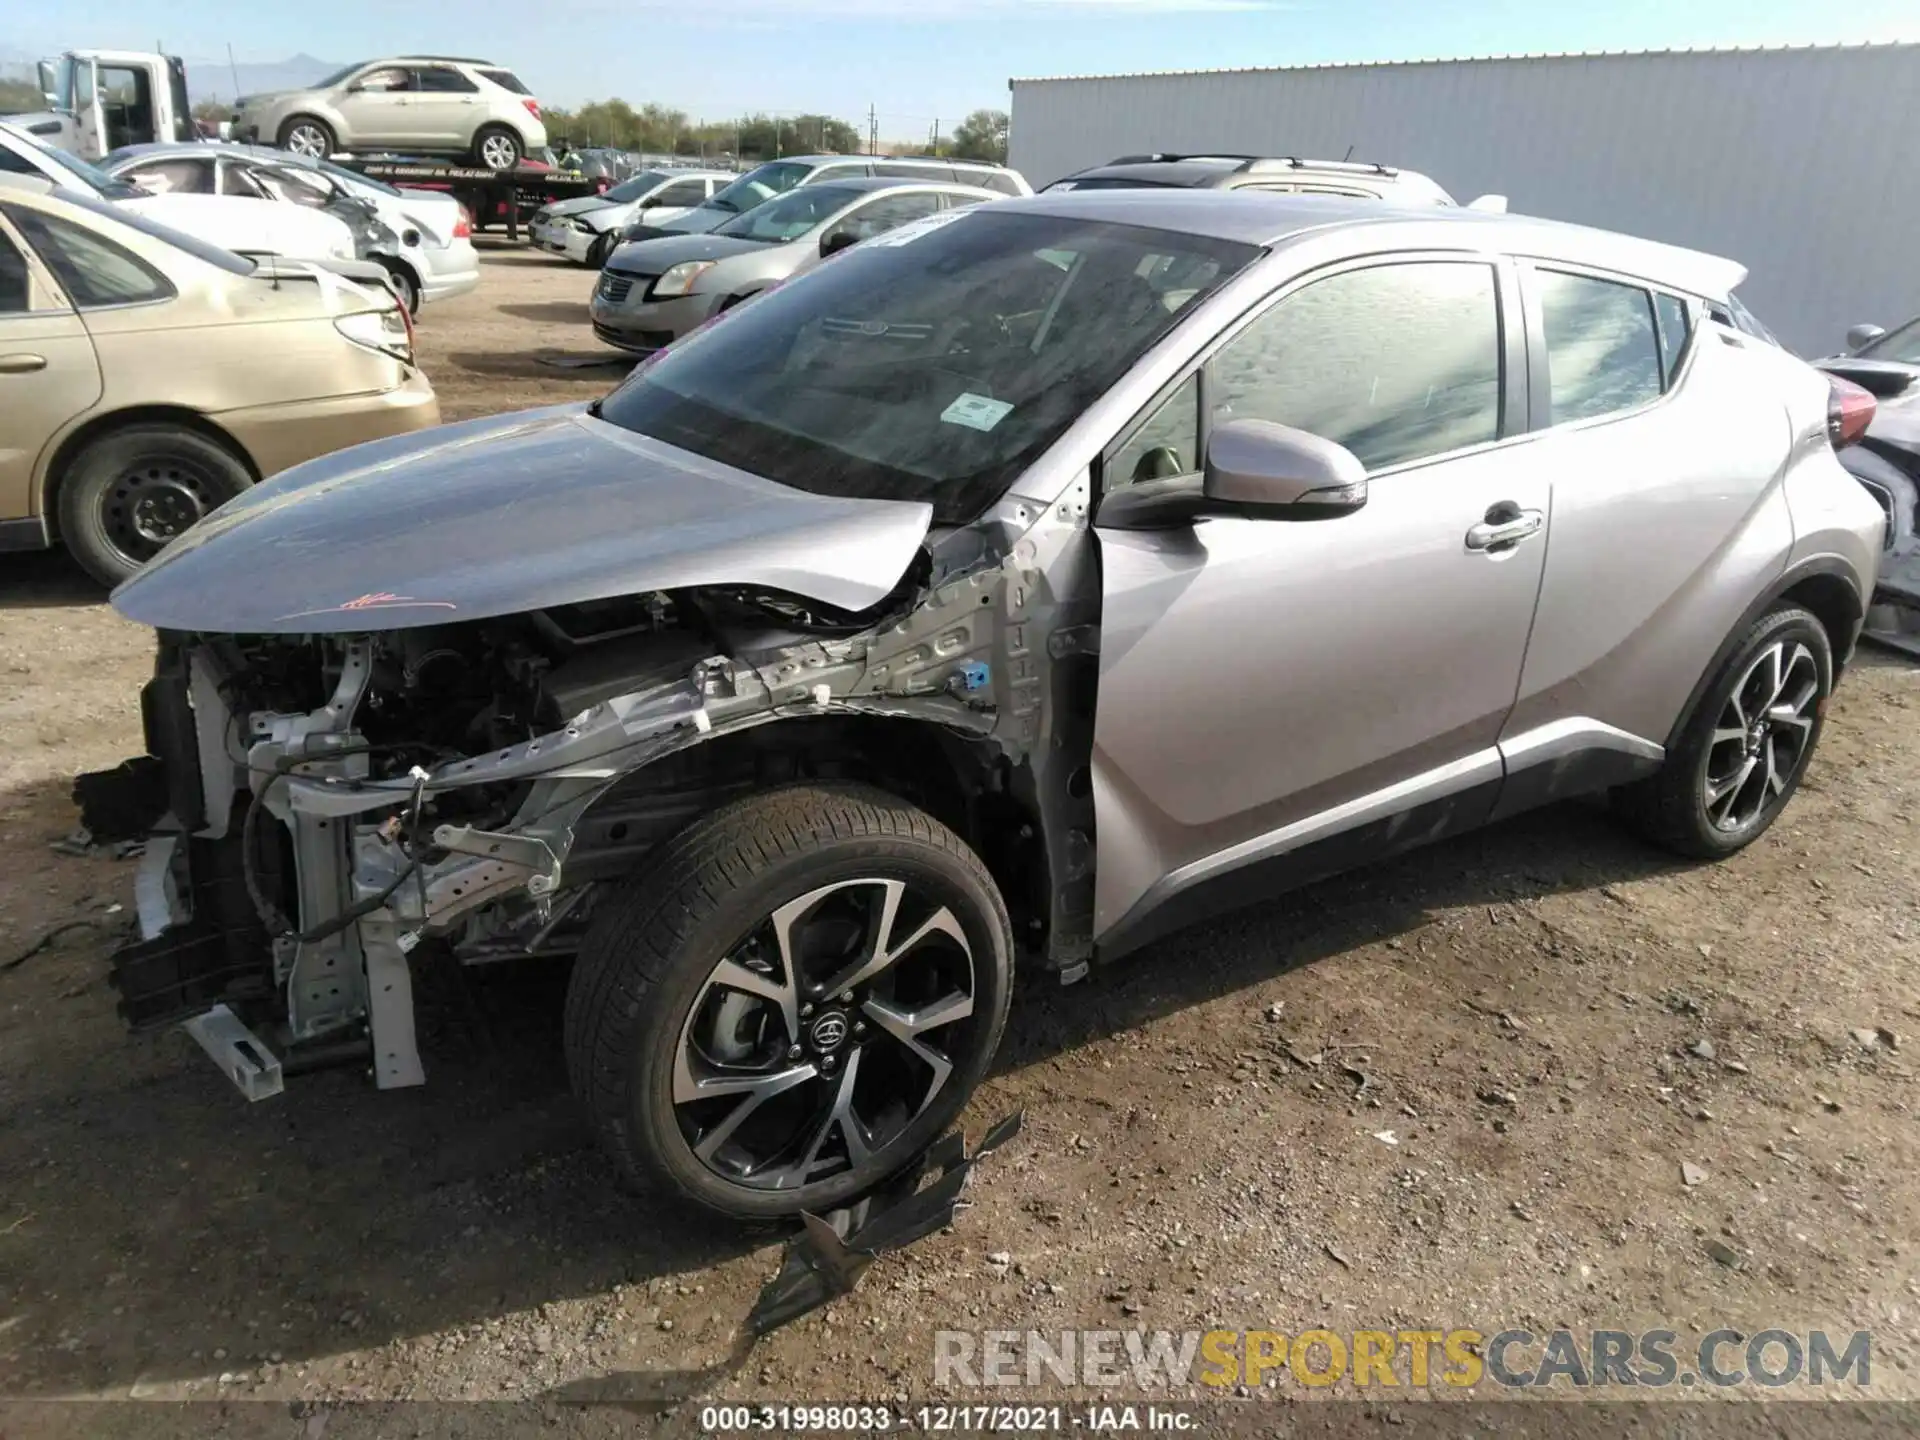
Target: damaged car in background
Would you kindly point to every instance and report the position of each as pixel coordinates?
(1028, 582)
(1886, 459)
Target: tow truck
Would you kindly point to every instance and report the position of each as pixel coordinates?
(491, 198)
(99, 100)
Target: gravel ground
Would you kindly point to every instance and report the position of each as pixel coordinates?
(1469, 1088)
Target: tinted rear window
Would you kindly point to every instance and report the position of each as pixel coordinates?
(93, 270)
(1113, 182)
(507, 80)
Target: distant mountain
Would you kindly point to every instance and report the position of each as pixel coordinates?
(214, 79)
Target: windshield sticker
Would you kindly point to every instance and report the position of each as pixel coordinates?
(976, 412)
(914, 229)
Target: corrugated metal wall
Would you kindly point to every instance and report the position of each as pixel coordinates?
(1798, 163)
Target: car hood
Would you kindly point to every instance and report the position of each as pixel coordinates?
(579, 205)
(697, 221)
(655, 257)
(508, 514)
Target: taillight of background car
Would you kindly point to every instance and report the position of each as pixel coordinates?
(1849, 412)
(533, 106)
(463, 227)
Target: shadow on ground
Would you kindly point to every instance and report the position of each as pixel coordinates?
(546, 364)
(43, 579)
(169, 1217)
(558, 312)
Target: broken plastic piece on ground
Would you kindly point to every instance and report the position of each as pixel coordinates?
(81, 842)
(826, 1260)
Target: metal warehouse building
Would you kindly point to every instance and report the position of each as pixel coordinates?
(1797, 162)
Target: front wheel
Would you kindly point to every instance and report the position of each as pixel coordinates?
(791, 1003)
(1747, 743)
(601, 248)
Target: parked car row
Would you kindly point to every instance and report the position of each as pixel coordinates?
(423, 238)
(247, 225)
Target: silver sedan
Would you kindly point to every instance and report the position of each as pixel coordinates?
(652, 292)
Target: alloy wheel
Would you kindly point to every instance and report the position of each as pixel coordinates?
(1762, 736)
(817, 1040)
(154, 504)
(308, 141)
(498, 152)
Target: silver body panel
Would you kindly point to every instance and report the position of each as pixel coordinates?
(1267, 689)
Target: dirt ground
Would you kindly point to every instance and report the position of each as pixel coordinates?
(1457, 1090)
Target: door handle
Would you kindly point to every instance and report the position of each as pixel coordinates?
(21, 364)
(1506, 525)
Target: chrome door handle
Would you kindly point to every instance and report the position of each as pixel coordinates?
(21, 364)
(1513, 526)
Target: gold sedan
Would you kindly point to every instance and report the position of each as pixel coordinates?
(147, 377)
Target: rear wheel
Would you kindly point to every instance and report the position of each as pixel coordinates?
(304, 135)
(129, 494)
(406, 289)
(497, 148)
(1747, 744)
(791, 1003)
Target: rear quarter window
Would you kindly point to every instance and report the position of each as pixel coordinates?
(1603, 353)
(93, 270)
(507, 80)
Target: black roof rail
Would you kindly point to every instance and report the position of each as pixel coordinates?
(1160, 157)
(934, 160)
(1351, 167)
(1256, 163)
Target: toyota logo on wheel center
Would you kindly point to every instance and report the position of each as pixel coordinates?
(829, 1031)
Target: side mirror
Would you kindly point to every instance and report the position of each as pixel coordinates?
(1268, 471)
(49, 83)
(834, 241)
(1254, 469)
(1861, 336)
(649, 202)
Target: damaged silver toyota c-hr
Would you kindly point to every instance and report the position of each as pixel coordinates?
(1025, 583)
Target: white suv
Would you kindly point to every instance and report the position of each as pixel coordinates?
(424, 103)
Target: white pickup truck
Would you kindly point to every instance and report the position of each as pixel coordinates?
(100, 100)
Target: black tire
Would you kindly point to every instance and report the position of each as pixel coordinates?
(319, 129)
(1673, 809)
(731, 301)
(601, 248)
(406, 289)
(127, 493)
(643, 982)
(502, 139)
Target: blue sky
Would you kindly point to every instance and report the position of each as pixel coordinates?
(922, 60)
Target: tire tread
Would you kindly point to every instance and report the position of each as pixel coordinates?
(636, 939)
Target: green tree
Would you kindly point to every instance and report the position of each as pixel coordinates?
(982, 136)
(18, 97)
